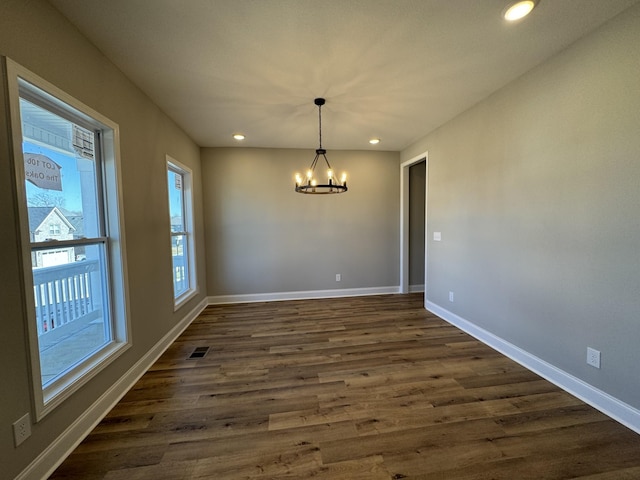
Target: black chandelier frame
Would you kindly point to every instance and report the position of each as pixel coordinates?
(332, 185)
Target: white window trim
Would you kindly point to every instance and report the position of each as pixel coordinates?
(48, 398)
(187, 186)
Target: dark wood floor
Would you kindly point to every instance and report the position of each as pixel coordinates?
(359, 388)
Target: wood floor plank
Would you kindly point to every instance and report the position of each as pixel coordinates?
(363, 388)
(116, 458)
(183, 470)
(631, 473)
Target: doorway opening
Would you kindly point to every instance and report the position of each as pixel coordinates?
(414, 182)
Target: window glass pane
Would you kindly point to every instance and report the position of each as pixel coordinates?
(179, 255)
(176, 201)
(60, 176)
(69, 280)
(181, 221)
(70, 303)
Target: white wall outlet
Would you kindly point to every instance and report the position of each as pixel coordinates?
(593, 357)
(437, 236)
(22, 429)
(451, 296)
(338, 277)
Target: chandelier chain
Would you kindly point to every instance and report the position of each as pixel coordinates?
(320, 125)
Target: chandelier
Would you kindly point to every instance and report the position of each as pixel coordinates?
(310, 184)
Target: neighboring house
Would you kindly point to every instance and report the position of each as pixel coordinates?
(77, 221)
(176, 223)
(46, 224)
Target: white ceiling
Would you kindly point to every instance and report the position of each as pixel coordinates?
(393, 69)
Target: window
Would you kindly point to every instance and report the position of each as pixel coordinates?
(67, 174)
(181, 221)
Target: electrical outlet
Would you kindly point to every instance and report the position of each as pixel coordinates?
(338, 277)
(22, 429)
(451, 296)
(593, 357)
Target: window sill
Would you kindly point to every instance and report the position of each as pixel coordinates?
(184, 298)
(63, 388)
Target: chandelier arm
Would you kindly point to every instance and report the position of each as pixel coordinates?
(326, 160)
(313, 164)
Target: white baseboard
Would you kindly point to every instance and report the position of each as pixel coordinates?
(303, 295)
(607, 404)
(416, 288)
(61, 448)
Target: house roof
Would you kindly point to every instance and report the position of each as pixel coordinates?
(38, 215)
(76, 220)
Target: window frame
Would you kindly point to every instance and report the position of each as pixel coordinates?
(24, 83)
(175, 166)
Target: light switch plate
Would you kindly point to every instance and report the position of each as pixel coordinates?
(437, 236)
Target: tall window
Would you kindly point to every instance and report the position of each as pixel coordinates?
(182, 242)
(66, 169)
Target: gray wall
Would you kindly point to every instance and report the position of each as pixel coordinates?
(536, 191)
(34, 34)
(417, 182)
(262, 237)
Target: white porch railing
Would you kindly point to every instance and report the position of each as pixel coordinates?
(64, 294)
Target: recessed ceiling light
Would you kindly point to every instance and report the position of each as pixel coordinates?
(374, 141)
(238, 136)
(518, 10)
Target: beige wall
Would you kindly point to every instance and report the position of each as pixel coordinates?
(536, 191)
(34, 35)
(262, 237)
